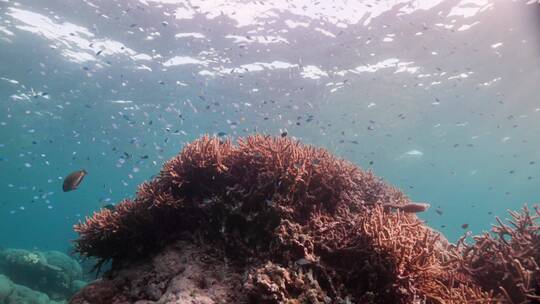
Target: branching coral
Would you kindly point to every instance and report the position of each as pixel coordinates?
(212, 184)
(403, 260)
(507, 260)
(305, 226)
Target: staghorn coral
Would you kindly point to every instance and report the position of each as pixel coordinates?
(507, 260)
(264, 175)
(304, 226)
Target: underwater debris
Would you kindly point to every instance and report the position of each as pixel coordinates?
(262, 205)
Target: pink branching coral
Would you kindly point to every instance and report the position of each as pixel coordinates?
(260, 175)
(507, 260)
(305, 226)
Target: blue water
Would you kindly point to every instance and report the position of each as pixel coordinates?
(439, 98)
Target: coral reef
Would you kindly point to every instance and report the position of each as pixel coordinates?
(50, 274)
(507, 260)
(11, 293)
(270, 220)
(180, 273)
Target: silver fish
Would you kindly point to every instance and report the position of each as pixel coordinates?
(73, 180)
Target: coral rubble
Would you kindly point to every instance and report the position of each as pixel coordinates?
(270, 220)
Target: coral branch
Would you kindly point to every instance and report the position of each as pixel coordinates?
(506, 261)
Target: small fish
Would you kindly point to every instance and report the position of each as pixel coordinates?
(73, 180)
(414, 153)
(411, 207)
(111, 207)
(99, 52)
(284, 134)
(465, 226)
(221, 134)
(439, 211)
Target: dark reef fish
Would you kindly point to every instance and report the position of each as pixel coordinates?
(111, 207)
(73, 180)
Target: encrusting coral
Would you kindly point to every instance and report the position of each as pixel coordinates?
(285, 223)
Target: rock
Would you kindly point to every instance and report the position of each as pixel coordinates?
(23, 294)
(50, 272)
(11, 293)
(76, 285)
(21, 258)
(25, 267)
(6, 288)
(182, 273)
(68, 265)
